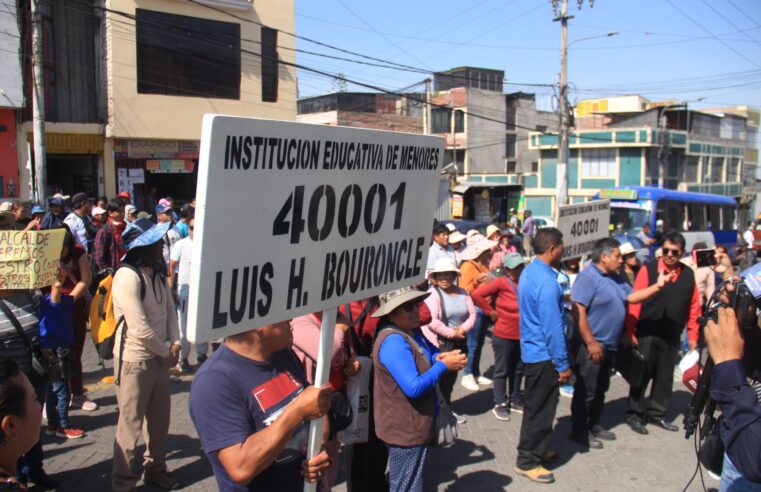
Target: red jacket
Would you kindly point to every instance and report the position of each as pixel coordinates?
(508, 324)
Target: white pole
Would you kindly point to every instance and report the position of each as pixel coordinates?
(38, 105)
(324, 356)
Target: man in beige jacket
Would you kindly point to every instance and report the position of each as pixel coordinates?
(142, 357)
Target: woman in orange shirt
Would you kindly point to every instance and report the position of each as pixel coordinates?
(474, 271)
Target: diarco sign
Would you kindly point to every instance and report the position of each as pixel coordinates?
(582, 225)
(294, 218)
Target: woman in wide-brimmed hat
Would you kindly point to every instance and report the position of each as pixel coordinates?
(452, 316)
(475, 271)
(407, 368)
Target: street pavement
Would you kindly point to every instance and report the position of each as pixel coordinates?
(483, 458)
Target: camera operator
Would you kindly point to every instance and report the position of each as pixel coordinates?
(740, 427)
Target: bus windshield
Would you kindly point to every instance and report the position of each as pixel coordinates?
(628, 220)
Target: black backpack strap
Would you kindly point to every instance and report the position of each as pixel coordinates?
(15, 322)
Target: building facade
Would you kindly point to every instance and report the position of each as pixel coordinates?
(129, 82)
(630, 141)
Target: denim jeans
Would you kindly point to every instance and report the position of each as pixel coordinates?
(57, 404)
(475, 339)
(733, 481)
(507, 377)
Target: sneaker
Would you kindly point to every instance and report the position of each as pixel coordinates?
(460, 418)
(501, 411)
(51, 430)
(469, 383)
(484, 381)
(539, 474)
(566, 390)
(516, 407)
(83, 402)
(165, 480)
(69, 433)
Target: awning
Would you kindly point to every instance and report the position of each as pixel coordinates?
(463, 187)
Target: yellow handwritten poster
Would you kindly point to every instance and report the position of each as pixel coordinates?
(29, 260)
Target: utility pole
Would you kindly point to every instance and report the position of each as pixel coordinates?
(38, 104)
(561, 197)
(427, 108)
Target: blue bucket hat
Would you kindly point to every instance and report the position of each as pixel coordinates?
(37, 210)
(54, 200)
(143, 232)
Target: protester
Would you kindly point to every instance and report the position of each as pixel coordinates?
(34, 223)
(20, 417)
(78, 221)
(748, 235)
(19, 214)
(101, 202)
(515, 222)
(655, 327)
(124, 196)
(57, 316)
(54, 218)
(452, 317)
(474, 272)
(164, 214)
(631, 264)
(644, 235)
(407, 369)
(544, 354)
(181, 227)
(256, 443)
(440, 247)
(600, 298)
(107, 249)
(179, 266)
(130, 213)
(529, 231)
(493, 233)
(734, 388)
(506, 338)
(142, 358)
(99, 217)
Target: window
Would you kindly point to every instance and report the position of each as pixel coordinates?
(510, 146)
(717, 169)
(714, 218)
(728, 218)
(733, 170)
(510, 114)
(672, 215)
(510, 167)
(270, 69)
(598, 163)
(459, 121)
(691, 169)
(440, 120)
(186, 56)
(696, 217)
(535, 167)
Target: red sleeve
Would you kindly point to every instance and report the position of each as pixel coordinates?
(483, 292)
(632, 316)
(425, 314)
(693, 328)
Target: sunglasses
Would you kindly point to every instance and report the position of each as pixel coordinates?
(408, 307)
(674, 252)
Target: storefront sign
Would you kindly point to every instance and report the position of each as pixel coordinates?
(328, 215)
(156, 149)
(582, 225)
(29, 260)
(457, 206)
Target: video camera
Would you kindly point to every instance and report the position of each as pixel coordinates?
(741, 298)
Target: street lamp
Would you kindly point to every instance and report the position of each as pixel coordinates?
(561, 197)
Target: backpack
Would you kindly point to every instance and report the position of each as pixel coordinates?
(103, 322)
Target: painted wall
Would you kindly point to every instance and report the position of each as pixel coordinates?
(133, 115)
(9, 175)
(486, 138)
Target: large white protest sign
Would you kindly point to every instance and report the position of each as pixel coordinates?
(295, 218)
(583, 224)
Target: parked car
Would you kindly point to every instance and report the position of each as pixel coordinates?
(465, 225)
(542, 221)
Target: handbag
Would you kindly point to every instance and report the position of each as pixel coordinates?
(358, 394)
(39, 363)
(445, 423)
(630, 362)
(447, 344)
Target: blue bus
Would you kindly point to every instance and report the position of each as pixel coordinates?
(700, 217)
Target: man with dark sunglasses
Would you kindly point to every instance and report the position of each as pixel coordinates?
(655, 327)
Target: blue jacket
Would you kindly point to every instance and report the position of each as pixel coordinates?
(741, 426)
(542, 321)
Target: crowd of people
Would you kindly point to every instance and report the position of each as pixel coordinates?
(553, 321)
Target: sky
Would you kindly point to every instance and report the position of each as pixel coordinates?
(704, 52)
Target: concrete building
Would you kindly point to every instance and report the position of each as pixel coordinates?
(629, 140)
(11, 101)
(131, 80)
